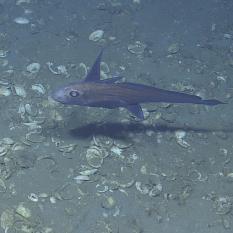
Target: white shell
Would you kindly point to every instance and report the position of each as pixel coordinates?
(33, 68)
(104, 67)
(137, 48)
(82, 70)
(88, 172)
(3, 53)
(94, 157)
(22, 1)
(4, 91)
(8, 141)
(116, 150)
(96, 35)
(180, 134)
(21, 20)
(61, 69)
(39, 88)
(33, 197)
(82, 177)
(20, 91)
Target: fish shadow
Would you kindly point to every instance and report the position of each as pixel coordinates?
(122, 130)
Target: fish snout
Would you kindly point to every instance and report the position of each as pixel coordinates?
(59, 96)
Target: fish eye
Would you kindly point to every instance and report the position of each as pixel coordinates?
(74, 93)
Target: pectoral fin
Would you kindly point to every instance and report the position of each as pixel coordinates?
(136, 110)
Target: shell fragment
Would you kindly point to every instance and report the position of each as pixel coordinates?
(96, 35)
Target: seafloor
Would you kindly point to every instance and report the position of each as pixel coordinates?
(71, 169)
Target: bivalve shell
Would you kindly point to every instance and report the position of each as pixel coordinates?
(8, 141)
(39, 88)
(4, 91)
(3, 53)
(7, 219)
(20, 91)
(96, 35)
(137, 48)
(23, 211)
(3, 150)
(82, 70)
(94, 157)
(173, 48)
(21, 20)
(33, 68)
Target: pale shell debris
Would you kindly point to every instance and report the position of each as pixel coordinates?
(21, 20)
(96, 35)
(180, 134)
(60, 69)
(4, 62)
(31, 111)
(3, 150)
(88, 172)
(20, 91)
(8, 141)
(23, 211)
(82, 70)
(137, 48)
(156, 190)
(143, 189)
(33, 68)
(104, 67)
(7, 219)
(80, 178)
(116, 150)
(52, 200)
(18, 2)
(34, 137)
(173, 48)
(33, 197)
(94, 157)
(108, 202)
(4, 91)
(3, 53)
(39, 88)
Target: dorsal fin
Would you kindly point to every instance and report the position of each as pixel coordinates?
(94, 74)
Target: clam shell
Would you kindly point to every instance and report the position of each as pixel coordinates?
(39, 88)
(173, 48)
(82, 70)
(82, 178)
(30, 110)
(33, 197)
(94, 157)
(137, 48)
(4, 91)
(104, 67)
(180, 134)
(96, 35)
(33, 68)
(23, 211)
(7, 219)
(3, 150)
(8, 141)
(21, 20)
(3, 53)
(20, 91)
(88, 172)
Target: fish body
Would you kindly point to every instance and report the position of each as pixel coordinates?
(110, 93)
